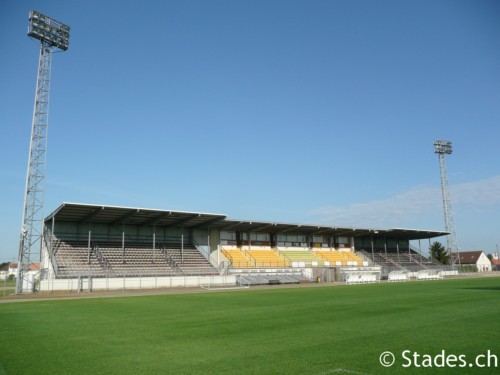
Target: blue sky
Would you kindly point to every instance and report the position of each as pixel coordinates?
(291, 111)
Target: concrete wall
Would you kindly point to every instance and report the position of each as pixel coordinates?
(120, 283)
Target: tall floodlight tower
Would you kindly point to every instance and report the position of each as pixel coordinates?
(52, 34)
(442, 148)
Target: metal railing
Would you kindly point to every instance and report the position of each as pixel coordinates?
(103, 261)
(170, 261)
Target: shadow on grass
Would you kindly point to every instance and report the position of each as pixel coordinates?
(490, 288)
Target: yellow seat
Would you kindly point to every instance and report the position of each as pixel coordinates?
(268, 258)
(237, 258)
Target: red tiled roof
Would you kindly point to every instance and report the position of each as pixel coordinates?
(469, 257)
(32, 266)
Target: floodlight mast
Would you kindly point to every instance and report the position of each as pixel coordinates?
(443, 148)
(52, 34)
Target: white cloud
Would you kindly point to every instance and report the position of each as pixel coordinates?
(479, 194)
(407, 207)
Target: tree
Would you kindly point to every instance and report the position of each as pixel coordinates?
(438, 252)
(4, 266)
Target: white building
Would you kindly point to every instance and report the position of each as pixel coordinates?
(34, 269)
(477, 259)
(12, 269)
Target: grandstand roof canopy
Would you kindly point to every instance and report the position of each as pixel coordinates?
(86, 213)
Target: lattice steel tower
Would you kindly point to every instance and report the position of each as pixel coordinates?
(443, 148)
(52, 34)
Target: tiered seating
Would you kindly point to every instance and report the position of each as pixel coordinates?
(332, 256)
(352, 257)
(137, 259)
(415, 258)
(190, 261)
(268, 258)
(340, 256)
(404, 260)
(382, 259)
(238, 258)
(308, 258)
(72, 258)
(394, 258)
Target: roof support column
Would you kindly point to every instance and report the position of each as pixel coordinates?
(373, 251)
(46, 257)
(182, 244)
(208, 240)
(89, 242)
(218, 251)
(52, 235)
(154, 241)
(123, 243)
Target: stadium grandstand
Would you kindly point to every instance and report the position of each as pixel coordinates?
(88, 247)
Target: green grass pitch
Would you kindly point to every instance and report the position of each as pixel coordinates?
(323, 330)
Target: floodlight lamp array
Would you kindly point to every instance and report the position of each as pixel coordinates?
(48, 30)
(442, 147)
